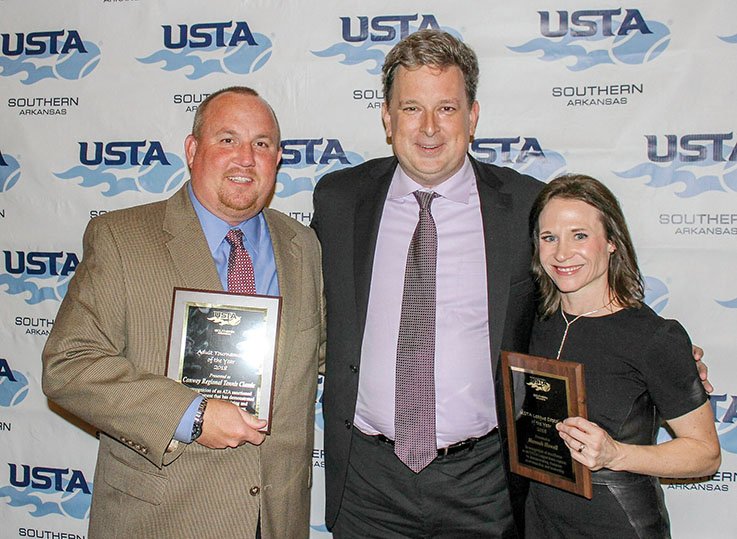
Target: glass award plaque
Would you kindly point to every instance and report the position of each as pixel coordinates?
(223, 345)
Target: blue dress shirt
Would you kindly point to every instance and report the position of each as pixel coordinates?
(257, 241)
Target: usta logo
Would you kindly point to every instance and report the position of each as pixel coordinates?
(203, 35)
(39, 43)
(368, 39)
(695, 148)
(48, 490)
(40, 263)
(524, 154)
(44, 275)
(609, 37)
(590, 22)
(315, 157)
(212, 47)
(384, 27)
(122, 152)
(127, 165)
(60, 54)
(702, 162)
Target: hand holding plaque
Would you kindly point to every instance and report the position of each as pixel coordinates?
(224, 346)
(538, 394)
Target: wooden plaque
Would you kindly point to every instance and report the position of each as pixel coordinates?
(538, 393)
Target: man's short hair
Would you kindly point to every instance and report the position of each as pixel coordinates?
(432, 48)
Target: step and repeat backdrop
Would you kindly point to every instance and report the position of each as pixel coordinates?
(97, 96)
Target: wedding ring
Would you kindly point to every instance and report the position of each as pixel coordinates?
(580, 449)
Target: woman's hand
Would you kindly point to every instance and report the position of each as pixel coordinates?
(589, 443)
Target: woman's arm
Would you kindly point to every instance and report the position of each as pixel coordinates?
(695, 451)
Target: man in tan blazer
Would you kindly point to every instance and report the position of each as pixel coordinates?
(105, 358)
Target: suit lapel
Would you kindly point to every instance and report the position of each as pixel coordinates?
(187, 246)
(370, 199)
(289, 261)
(496, 208)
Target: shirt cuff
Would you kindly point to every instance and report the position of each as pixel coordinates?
(184, 429)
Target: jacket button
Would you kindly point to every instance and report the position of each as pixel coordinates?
(253, 491)
(353, 368)
(348, 424)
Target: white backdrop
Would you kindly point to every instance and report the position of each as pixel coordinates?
(96, 97)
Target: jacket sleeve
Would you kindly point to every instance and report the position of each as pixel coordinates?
(86, 369)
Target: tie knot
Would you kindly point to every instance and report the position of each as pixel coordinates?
(425, 198)
(235, 238)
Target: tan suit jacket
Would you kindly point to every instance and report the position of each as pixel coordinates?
(105, 359)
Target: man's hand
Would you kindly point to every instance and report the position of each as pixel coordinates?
(698, 354)
(226, 425)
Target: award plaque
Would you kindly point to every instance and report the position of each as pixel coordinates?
(539, 393)
(224, 346)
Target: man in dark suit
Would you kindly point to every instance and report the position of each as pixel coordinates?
(484, 302)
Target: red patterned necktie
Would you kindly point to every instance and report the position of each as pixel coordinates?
(240, 268)
(414, 414)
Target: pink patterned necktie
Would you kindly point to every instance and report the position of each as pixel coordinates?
(240, 268)
(414, 414)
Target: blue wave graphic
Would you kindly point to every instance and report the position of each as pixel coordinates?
(240, 60)
(729, 304)
(75, 505)
(663, 436)
(680, 172)
(543, 167)
(369, 51)
(13, 66)
(320, 528)
(10, 174)
(289, 186)
(156, 178)
(727, 437)
(319, 419)
(729, 39)
(638, 48)
(656, 294)
(22, 284)
(727, 432)
(635, 48)
(546, 168)
(70, 66)
(13, 393)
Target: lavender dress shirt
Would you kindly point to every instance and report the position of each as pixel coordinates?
(464, 401)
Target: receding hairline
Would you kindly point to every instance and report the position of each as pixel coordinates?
(200, 119)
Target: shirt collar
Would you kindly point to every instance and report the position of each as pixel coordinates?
(458, 188)
(215, 228)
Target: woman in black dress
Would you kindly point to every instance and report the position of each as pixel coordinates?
(638, 369)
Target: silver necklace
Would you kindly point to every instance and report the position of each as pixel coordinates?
(568, 324)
